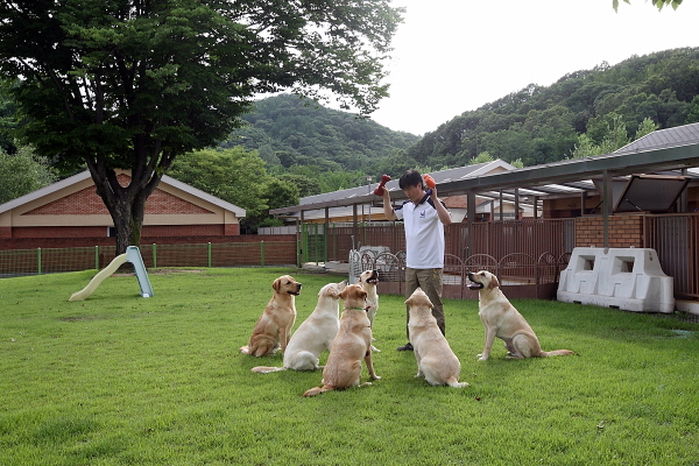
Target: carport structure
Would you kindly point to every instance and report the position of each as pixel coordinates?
(674, 150)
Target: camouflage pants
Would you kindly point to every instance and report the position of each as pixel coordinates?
(430, 280)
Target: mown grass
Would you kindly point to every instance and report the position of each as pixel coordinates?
(120, 379)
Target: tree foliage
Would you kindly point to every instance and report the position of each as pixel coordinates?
(133, 84)
(659, 4)
(22, 173)
(8, 118)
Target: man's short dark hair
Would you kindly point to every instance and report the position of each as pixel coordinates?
(410, 178)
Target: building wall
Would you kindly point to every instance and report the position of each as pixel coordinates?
(76, 216)
(625, 231)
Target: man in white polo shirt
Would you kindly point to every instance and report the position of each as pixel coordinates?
(424, 216)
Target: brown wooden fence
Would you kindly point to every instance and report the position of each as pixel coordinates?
(532, 237)
(676, 239)
(521, 275)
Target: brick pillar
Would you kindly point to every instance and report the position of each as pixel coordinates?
(625, 231)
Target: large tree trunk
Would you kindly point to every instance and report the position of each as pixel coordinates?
(128, 225)
(126, 204)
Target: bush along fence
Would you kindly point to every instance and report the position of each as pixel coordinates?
(15, 262)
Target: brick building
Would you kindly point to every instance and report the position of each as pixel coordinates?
(70, 213)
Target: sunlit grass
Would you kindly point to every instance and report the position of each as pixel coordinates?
(120, 379)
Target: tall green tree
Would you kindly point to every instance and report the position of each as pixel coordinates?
(235, 175)
(134, 83)
(22, 173)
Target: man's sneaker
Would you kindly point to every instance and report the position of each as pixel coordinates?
(406, 347)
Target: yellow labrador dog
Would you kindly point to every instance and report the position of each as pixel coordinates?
(368, 280)
(314, 335)
(273, 328)
(350, 346)
(436, 362)
(502, 320)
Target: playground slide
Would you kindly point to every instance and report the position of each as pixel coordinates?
(99, 278)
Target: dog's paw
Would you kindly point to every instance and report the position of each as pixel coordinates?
(481, 357)
(375, 377)
(374, 349)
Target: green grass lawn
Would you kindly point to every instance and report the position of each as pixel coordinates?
(119, 379)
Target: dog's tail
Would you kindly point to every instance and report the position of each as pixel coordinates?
(454, 383)
(267, 370)
(560, 352)
(318, 390)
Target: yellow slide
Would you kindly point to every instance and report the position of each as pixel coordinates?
(99, 278)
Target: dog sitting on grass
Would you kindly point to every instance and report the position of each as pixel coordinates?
(502, 320)
(369, 280)
(436, 362)
(352, 344)
(314, 335)
(273, 328)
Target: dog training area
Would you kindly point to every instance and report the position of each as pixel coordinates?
(118, 379)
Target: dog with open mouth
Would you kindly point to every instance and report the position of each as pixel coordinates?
(369, 280)
(273, 328)
(501, 319)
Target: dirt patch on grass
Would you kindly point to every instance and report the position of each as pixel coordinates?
(161, 272)
(79, 318)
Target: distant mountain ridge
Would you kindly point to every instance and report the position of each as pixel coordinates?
(289, 130)
(542, 124)
(536, 124)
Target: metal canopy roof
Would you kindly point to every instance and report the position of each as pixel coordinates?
(662, 150)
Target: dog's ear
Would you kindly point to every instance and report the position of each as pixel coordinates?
(343, 294)
(338, 289)
(277, 284)
(494, 282)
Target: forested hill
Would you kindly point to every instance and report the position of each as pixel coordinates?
(290, 131)
(542, 124)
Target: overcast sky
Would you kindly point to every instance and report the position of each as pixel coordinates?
(451, 56)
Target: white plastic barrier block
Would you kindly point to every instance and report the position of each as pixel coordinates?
(626, 278)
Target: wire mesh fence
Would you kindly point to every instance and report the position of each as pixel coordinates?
(14, 262)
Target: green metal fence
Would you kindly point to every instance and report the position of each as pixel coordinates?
(15, 262)
(313, 243)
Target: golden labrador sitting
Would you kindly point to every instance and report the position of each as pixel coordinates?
(502, 320)
(436, 362)
(351, 345)
(314, 335)
(368, 280)
(273, 328)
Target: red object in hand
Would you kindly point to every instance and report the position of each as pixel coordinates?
(429, 181)
(379, 190)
